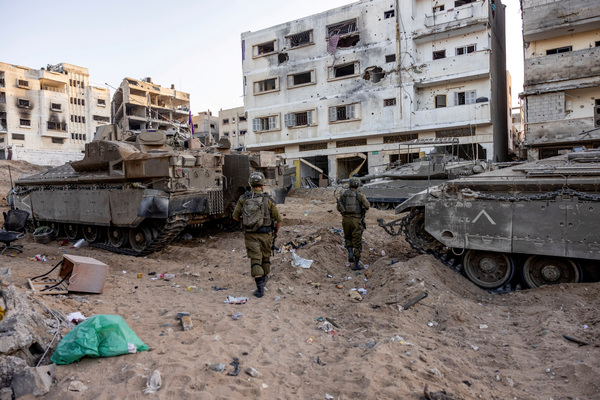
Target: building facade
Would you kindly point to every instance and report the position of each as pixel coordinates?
(47, 115)
(234, 126)
(142, 104)
(561, 91)
(342, 90)
(206, 127)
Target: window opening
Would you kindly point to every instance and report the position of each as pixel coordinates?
(22, 103)
(300, 38)
(344, 70)
(438, 8)
(459, 3)
(440, 101)
(342, 28)
(301, 79)
(388, 14)
(439, 54)
(342, 113)
(461, 98)
(559, 50)
(298, 119)
(266, 85)
(58, 140)
(465, 49)
(389, 102)
(56, 107)
(266, 48)
(264, 124)
(390, 58)
(101, 102)
(57, 126)
(282, 57)
(24, 122)
(18, 136)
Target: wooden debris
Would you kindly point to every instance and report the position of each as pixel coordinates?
(574, 340)
(414, 300)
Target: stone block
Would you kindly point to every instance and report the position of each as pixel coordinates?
(33, 380)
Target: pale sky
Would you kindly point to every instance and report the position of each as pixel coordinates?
(192, 44)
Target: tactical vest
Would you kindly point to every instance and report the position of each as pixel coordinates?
(350, 202)
(255, 212)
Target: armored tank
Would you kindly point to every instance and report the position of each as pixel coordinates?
(398, 183)
(134, 197)
(534, 223)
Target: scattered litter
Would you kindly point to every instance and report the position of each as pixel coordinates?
(218, 367)
(236, 367)
(327, 327)
(483, 326)
(432, 323)
(154, 382)
(328, 397)
(383, 253)
(253, 372)
(76, 317)
(77, 386)
(315, 284)
(236, 300)
(140, 275)
(298, 261)
(353, 293)
(167, 276)
(310, 340)
(237, 316)
(218, 288)
(80, 243)
(362, 291)
(474, 347)
(40, 257)
(320, 319)
(574, 340)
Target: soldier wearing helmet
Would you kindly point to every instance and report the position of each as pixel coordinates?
(261, 221)
(353, 205)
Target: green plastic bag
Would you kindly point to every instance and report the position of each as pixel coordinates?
(98, 336)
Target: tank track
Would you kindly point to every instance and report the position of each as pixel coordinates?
(166, 235)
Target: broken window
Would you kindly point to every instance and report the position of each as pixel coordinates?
(242, 133)
(597, 114)
(55, 107)
(25, 122)
(264, 48)
(438, 8)
(597, 45)
(558, 50)
(265, 123)
(342, 28)
(101, 102)
(440, 101)
(303, 118)
(3, 126)
(58, 140)
(373, 74)
(389, 102)
(302, 78)
(300, 39)
(242, 118)
(101, 118)
(83, 102)
(23, 83)
(459, 3)
(466, 49)
(23, 103)
(461, 98)
(57, 126)
(2, 97)
(388, 14)
(390, 58)
(458, 132)
(344, 70)
(439, 54)
(2, 79)
(18, 136)
(226, 121)
(212, 126)
(225, 133)
(342, 113)
(266, 85)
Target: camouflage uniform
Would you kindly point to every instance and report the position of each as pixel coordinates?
(259, 243)
(353, 229)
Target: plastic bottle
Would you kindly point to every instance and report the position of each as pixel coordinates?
(167, 276)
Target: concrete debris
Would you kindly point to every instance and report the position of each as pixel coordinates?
(77, 386)
(33, 380)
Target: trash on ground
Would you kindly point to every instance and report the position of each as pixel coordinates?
(236, 367)
(353, 293)
(237, 316)
(76, 317)
(236, 300)
(154, 382)
(298, 261)
(99, 336)
(80, 243)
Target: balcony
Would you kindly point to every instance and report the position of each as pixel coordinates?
(559, 18)
(465, 67)
(447, 117)
(563, 67)
(460, 20)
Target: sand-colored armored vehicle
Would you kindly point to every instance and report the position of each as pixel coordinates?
(398, 183)
(535, 222)
(134, 197)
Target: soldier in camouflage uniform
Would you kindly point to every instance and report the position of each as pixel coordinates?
(259, 242)
(353, 204)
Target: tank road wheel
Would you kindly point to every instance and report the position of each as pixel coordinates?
(418, 237)
(384, 205)
(72, 231)
(117, 236)
(92, 233)
(139, 238)
(487, 269)
(542, 270)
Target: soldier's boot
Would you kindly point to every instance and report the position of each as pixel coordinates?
(357, 266)
(260, 286)
(350, 254)
(265, 279)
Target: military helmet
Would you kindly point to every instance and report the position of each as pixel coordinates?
(354, 182)
(256, 179)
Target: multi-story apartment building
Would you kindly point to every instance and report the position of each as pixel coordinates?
(341, 90)
(47, 115)
(234, 126)
(206, 127)
(561, 97)
(142, 104)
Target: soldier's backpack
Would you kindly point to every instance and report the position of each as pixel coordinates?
(255, 212)
(350, 202)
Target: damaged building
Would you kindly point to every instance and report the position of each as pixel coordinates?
(206, 127)
(233, 125)
(47, 115)
(561, 97)
(339, 91)
(142, 104)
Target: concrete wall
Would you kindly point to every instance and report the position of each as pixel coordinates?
(236, 127)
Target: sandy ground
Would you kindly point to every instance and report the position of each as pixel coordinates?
(459, 339)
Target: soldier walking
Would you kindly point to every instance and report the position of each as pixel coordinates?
(353, 205)
(261, 221)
